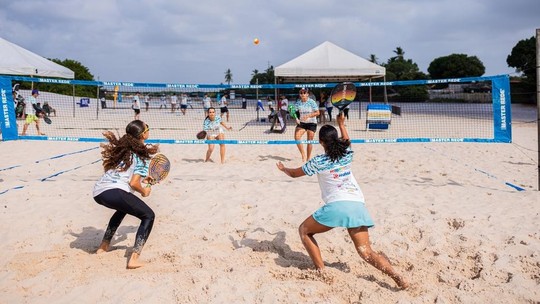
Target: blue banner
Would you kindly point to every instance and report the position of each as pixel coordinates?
(9, 120)
(501, 109)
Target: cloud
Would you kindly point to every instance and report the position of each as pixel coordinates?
(197, 41)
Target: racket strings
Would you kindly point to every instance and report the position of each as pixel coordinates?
(159, 167)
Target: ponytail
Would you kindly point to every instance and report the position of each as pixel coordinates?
(334, 146)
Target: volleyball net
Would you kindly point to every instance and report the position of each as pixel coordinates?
(474, 109)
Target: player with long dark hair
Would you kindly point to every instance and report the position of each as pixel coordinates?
(213, 126)
(125, 161)
(344, 201)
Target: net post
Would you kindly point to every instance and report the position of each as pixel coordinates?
(538, 101)
(73, 90)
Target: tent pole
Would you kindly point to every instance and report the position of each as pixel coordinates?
(370, 90)
(385, 96)
(276, 93)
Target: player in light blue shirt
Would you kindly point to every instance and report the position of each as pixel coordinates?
(306, 122)
(343, 200)
(213, 125)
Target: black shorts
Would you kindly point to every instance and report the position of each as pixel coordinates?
(183, 106)
(309, 126)
(224, 109)
(137, 111)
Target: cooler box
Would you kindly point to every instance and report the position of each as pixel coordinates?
(379, 116)
(84, 102)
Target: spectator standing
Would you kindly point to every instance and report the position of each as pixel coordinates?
(174, 100)
(163, 101)
(136, 105)
(223, 106)
(207, 104)
(183, 103)
(146, 102)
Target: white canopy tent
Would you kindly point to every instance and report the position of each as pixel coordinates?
(327, 63)
(15, 60)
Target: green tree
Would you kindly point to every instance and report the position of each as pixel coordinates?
(456, 66)
(400, 54)
(263, 78)
(81, 73)
(399, 68)
(373, 58)
(228, 76)
(523, 59)
(270, 74)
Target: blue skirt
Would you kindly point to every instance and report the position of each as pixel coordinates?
(348, 214)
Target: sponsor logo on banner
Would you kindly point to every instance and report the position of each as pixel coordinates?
(502, 97)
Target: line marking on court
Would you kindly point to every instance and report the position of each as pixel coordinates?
(518, 188)
(53, 175)
(66, 154)
(72, 169)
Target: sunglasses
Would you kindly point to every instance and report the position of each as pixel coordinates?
(304, 93)
(146, 129)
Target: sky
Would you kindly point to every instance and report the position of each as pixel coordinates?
(195, 42)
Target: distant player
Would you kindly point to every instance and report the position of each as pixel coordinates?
(33, 113)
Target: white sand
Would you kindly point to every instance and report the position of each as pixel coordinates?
(228, 233)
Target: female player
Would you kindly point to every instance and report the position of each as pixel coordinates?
(213, 127)
(344, 201)
(125, 162)
(307, 121)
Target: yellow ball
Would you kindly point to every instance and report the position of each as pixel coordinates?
(256, 41)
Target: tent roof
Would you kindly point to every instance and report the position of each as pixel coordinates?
(15, 60)
(328, 63)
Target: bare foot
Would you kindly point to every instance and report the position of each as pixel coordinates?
(104, 247)
(134, 262)
(401, 282)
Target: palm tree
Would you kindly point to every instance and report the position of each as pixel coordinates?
(399, 53)
(228, 76)
(254, 72)
(373, 58)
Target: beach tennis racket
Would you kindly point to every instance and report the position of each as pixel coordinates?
(47, 120)
(158, 169)
(342, 95)
(201, 135)
(292, 111)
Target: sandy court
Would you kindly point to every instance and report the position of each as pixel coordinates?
(444, 216)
